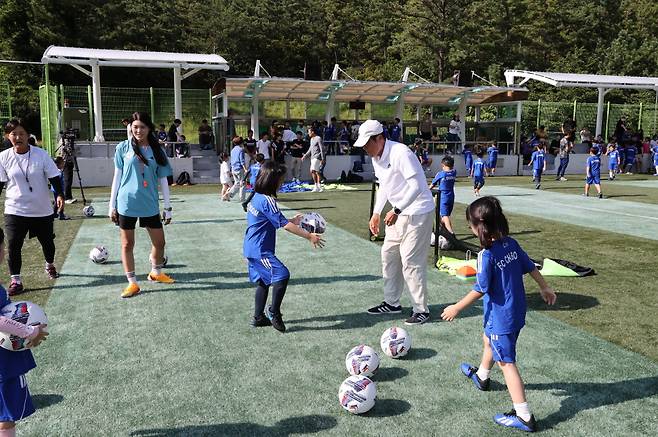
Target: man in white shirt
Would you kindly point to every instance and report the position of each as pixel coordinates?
(263, 145)
(454, 131)
(408, 224)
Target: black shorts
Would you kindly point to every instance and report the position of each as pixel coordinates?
(17, 226)
(128, 223)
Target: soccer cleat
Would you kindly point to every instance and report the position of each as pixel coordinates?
(259, 321)
(600, 195)
(511, 420)
(417, 319)
(130, 291)
(15, 288)
(51, 271)
(537, 186)
(384, 308)
(471, 373)
(163, 278)
(277, 323)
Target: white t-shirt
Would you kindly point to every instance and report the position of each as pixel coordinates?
(15, 171)
(454, 127)
(225, 173)
(288, 136)
(264, 148)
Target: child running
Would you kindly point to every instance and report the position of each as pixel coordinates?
(225, 175)
(265, 269)
(499, 281)
(593, 172)
(468, 158)
(538, 164)
(613, 161)
(478, 171)
(15, 400)
(446, 181)
(492, 151)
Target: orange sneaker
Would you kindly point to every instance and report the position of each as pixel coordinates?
(160, 278)
(130, 291)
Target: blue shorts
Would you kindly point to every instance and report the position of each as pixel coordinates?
(593, 180)
(447, 203)
(492, 162)
(612, 166)
(655, 160)
(15, 400)
(478, 183)
(537, 172)
(267, 269)
(503, 346)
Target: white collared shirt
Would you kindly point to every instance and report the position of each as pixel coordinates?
(396, 169)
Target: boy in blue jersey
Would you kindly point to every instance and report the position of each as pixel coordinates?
(631, 151)
(252, 175)
(492, 151)
(468, 159)
(499, 282)
(621, 148)
(15, 400)
(593, 172)
(654, 151)
(478, 171)
(538, 164)
(265, 269)
(613, 161)
(445, 179)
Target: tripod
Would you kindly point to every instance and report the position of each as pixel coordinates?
(68, 145)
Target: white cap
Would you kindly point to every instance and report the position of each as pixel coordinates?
(367, 130)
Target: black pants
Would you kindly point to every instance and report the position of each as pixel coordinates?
(68, 180)
(17, 228)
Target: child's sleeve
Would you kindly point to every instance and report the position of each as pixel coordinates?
(484, 276)
(440, 175)
(527, 265)
(273, 213)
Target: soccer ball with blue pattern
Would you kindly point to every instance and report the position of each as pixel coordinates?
(24, 312)
(314, 223)
(362, 360)
(395, 342)
(88, 211)
(357, 394)
(99, 254)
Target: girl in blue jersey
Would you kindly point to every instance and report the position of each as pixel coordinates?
(499, 281)
(613, 161)
(140, 163)
(468, 158)
(478, 171)
(265, 269)
(15, 400)
(538, 164)
(445, 179)
(492, 151)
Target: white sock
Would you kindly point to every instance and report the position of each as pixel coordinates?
(132, 279)
(49, 264)
(522, 411)
(156, 268)
(16, 279)
(483, 373)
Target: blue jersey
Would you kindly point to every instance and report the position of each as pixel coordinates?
(329, 133)
(492, 152)
(237, 158)
(263, 219)
(395, 133)
(613, 159)
(138, 188)
(446, 181)
(594, 166)
(537, 160)
(468, 158)
(630, 153)
(500, 280)
(478, 169)
(344, 134)
(13, 364)
(654, 150)
(162, 136)
(253, 173)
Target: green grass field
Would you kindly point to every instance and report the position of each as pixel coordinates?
(182, 360)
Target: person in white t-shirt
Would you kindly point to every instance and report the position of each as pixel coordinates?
(402, 183)
(25, 171)
(263, 145)
(225, 175)
(454, 130)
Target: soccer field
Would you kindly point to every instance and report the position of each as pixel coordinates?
(183, 360)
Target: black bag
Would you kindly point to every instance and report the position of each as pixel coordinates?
(183, 179)
(357, 167)
(354, 178)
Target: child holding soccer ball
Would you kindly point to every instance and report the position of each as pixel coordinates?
(499, 281)
(265, 269)
(15, 400)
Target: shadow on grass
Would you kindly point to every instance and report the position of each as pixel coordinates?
(195, 222)
(564, 302)
(419, 353)
(314, 208)
(388, 408)
(581, 396)
(46, 400)
(612, 196)
(292, 425)
(388, 374)
(313, 199)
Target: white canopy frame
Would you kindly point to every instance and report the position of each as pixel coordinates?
(603, 83)
(96, 58)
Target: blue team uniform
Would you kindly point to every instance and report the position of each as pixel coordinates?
(15, 400)
(468, 160)
(630, 156)
(613, 160)
(493, 156)
(478, 173)
(594, 165)
(654, 150)
(500, 280)
(254, 169)
(395, 133)
(263, 220)
(537, 160)
(446, 182)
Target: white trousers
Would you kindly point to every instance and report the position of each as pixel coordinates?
(238, 177)
(404, 260)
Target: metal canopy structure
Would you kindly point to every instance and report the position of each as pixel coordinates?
(604, 83)
(96, 58)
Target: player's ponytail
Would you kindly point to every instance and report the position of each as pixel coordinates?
(485, 215)
(270, 177)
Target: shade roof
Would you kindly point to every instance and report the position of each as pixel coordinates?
(132, 58)
(582, 80)
(372, 92)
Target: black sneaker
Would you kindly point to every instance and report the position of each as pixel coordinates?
(417, 319)
(259, 321)
(52, 272)
(511, 420)
(600, 195)
(277, 323)
(537, 186)
(15, 288)
(384, 308)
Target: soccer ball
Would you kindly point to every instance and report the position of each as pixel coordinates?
(99, 254)
(362, 360)
(88, 211)
(24, 312)
(313, 223)
(357, 394)
(395, 342)
(444, 244)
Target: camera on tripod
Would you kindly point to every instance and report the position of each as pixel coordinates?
(70, 134)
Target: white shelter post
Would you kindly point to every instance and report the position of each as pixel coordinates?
(599, 111)
(254, 116)
(98, 110)
(462, 121)
(178, 99)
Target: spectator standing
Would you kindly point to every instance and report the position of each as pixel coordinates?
(66, 153)
(173, 136)
(565, 150)
(279, 149)
(586, 136)
(238, 168)
(297, 150)
(395, 133)
(425, 127)
(205, 136)
(454, 131)
(263, 146)
(316, 152)
(329, 136)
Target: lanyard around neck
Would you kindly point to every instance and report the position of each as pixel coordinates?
(27, 168)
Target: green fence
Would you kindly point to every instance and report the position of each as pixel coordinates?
(5, 102)
(48, 112)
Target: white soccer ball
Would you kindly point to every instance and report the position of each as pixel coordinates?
(362, 360)
(314, 223)
(88, 211)
(24, 312)
(357, 394)
(99, 254)
(444, 244)
(395, 342)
